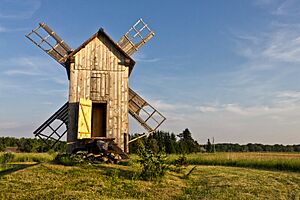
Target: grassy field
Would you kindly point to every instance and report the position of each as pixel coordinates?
(32, 157)
(273, 161)
(46, 180)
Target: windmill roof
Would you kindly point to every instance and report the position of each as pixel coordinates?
(103, 33)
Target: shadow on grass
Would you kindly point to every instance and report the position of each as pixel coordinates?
(16, 167)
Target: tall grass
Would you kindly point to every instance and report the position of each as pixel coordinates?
(29, 157)
(273, 161)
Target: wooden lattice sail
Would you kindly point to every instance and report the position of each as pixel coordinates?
(135, 37)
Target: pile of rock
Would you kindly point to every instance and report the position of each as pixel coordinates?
(103, 157)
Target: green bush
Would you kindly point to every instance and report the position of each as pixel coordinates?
(66, 159)
(6, 158)
(153, 163)
(181, 160)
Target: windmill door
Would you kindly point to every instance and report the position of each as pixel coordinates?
(99, 120)
(84, 119)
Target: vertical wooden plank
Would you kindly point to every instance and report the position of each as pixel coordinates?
(76, 78)
(111, 60)
(72, 84)
(101, 56)
(103, 85)
(107, 84)
(80, 76)
(123, 103)
(92, 92)
(88, 84)
(83, 71)
(104, 58)
(98, 56)
(115, 104)
(84, 83)
(93, 54)
(126, 98)
(77, 62)
(111, 103)
(119, 100)
(83, 57)
(88, 56)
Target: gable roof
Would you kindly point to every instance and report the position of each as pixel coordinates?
(101, 32)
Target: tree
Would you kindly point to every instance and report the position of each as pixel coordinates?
(152, 144)
(186, 143)
(208, 146)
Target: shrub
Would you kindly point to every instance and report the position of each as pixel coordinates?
(153, 163)
(181, 161)
(66, 159)
(6, 157)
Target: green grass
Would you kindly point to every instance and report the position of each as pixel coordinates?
(272, 161)
(218, 182)
(38, 178)
(50, 181)
(4, 167)
(32, 157)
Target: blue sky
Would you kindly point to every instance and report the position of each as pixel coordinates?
(223, 69)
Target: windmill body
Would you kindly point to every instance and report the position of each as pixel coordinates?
(99, 72)
(99, 96)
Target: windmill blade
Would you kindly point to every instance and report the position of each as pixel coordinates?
(52, 44)
(144, 113)
(52, 129)
(136, 37)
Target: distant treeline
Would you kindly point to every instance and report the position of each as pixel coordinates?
(229, 147)
(169, 143)
(30, 145)
(160, 140)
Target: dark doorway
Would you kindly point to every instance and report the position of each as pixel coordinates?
(99, 120)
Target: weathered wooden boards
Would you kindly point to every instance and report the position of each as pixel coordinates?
(99, 74)
(99, 97)
(135, 37)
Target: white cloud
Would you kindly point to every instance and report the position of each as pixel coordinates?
(206, 109)
(33, 66)
(289, 94)
(235, 122)
(141, 57)
(284, 45)
(18, 9)
(280, 44)
(287, 8)
(21, 72)
(9, 30)
(250, 111)
(165, 106)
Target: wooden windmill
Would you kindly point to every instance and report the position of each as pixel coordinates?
(99, 96)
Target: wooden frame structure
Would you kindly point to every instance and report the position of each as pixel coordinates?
(98, 72)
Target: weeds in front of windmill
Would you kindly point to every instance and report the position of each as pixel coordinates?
(6, 158)
(150, 165)
(152, 162)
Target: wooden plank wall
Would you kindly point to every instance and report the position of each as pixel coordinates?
(98, 75)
